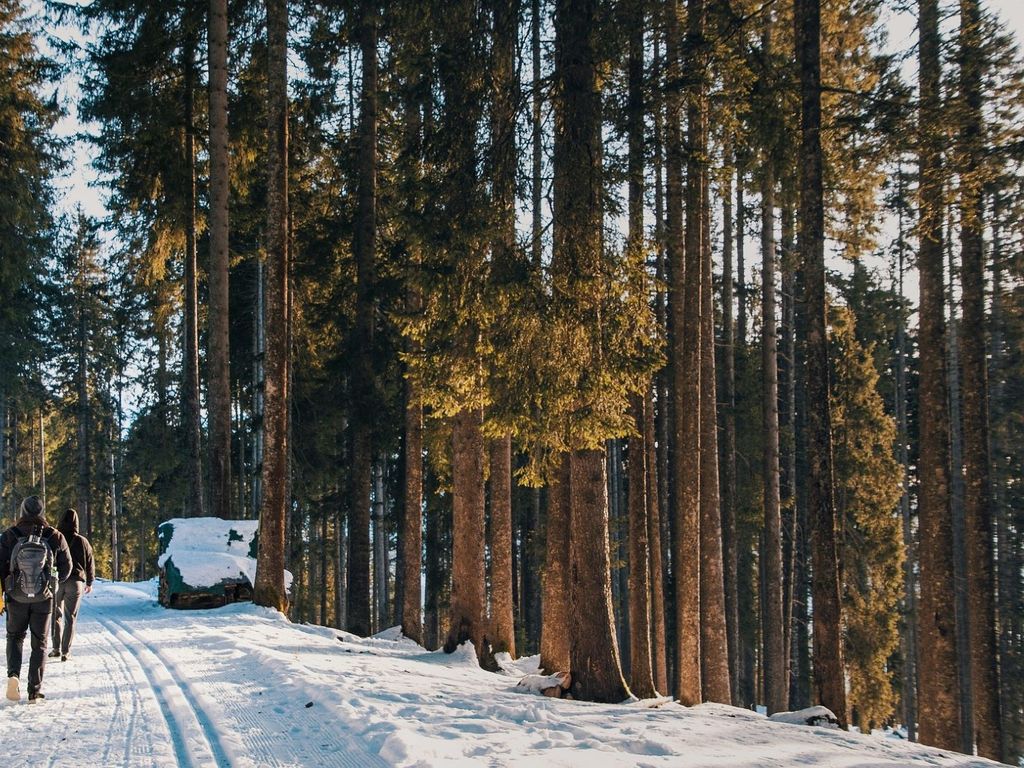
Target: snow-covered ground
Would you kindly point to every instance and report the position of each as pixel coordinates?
(240, 686)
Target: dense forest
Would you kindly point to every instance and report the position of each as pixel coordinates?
(678, 341)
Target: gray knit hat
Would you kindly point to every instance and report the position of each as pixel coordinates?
(31, 507)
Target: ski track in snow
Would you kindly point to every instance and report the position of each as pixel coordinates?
(240, 687)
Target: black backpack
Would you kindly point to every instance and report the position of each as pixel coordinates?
(33, 576)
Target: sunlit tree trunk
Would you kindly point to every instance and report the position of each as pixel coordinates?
(269, 589)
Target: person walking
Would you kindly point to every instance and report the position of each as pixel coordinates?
(69, 593)
(34, 560)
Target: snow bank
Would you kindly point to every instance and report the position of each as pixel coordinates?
(821, 717)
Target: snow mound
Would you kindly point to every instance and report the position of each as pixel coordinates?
(208, 555)
(207, 550)
(820, 717)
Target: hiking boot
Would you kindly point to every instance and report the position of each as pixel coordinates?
(35, 696)
(54, 653)
(13, 694)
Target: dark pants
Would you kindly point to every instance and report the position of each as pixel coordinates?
(65, 614)
(22, 618)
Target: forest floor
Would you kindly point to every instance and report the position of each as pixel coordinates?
(241, 686)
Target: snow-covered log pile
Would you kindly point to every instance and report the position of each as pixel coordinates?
(206, 561)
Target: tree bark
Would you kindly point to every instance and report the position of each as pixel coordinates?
(364, 243)
(729, 434)
(938, 688)
(506, 273)
(641, 674)
(191, 415)
(654, 542)
(714, 641)
(775, 682)
(469, 599)
(218, 361)
(593, 652)
(686, 367)
(978, 507)
(554, 638)
(269, 589)
(829, 673)
(502, 614)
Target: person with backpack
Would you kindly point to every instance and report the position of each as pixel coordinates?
(34, 560)
(69, 594)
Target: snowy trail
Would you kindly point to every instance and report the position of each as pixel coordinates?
(241, 687)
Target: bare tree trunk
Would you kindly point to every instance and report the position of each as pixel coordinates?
(938, 688)
(412, 518)
(908, 637)
(469, 598)
(641, 676)
(978, 507)
(956, 506)
(269, 589)
(83, 412)
(654, 541)
(774, 659)
(218, 371)
(506, 271)
(190, 361)
(686, 367)
(714, 641)
(363, 387)
(593, 651)
(502, 615)
(829, 672)
(729, 435)
(554, 638)
(380, 548)
(787, 430)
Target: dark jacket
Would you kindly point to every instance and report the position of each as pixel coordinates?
(26, 526)
(82, 568)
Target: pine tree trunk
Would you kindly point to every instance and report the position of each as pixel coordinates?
(412, 518)
(938, 689)
(1007, 572)
(686, 274)
(83, 415)
(829, 672)
(269, 589)
(728, 459)
(641, 675)
(191, 415)
(434, 560)
(469, 600)
(380, 549)
(787, 432)
(981, 587)
(956, 505)
(218, 357)
(593, 652)
(502, 614)
(506, 272)
(364, 243)
(774, 658)
(714, 641)
(908, 637)
(654, 541)
(554, 638)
